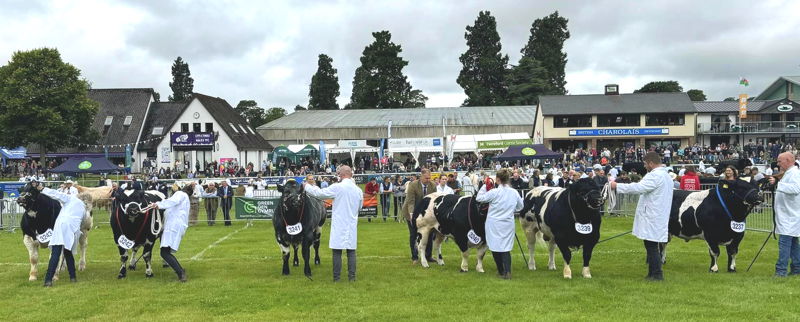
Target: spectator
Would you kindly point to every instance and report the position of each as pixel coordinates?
(441, 186)
(211, 200)
(689, 180)
(225, 192)
(386, 189)
(518, 182)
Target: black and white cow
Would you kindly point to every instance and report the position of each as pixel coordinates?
(298, 221)
(564, 217)
(134, 228)
(457, 217)
(37, 223)
(715, 215)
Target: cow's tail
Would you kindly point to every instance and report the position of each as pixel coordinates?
(419, 209)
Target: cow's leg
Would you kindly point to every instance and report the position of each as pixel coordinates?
(286, 251)
(531, 237)
(295, 262)
(317, 235)
(587, 257)
(567, 255)
(422, 243)
(732, 249)
(713, 251)
(481, 253)
(307, 255)
(33, 255)
(134, 260)
(437, 245)
(84, 242)
(551, 248)
(463, 245)
(123, 257)
(663, 247)
(147, 255)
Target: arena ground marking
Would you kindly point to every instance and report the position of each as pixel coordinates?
(199, 255)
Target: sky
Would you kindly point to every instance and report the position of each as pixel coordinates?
(267, 50)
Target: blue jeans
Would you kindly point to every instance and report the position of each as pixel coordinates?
(788, 247)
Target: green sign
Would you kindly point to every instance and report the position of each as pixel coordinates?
(528, 151)
(84, 165)
(502, 144)
(250, 208)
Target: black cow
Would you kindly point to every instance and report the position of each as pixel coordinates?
(634, 166)
(552, 213)
(134, 228)
(40, 216)
(701, 215)
(296, 207)
(451, 216)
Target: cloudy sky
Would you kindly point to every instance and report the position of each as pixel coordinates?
(267, 51)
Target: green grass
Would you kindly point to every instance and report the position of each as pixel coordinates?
(240, 279)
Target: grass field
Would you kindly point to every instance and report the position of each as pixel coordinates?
(235, 274)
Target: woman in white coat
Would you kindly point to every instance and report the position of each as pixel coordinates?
(176, 220)
(503, 201)
(66, 231)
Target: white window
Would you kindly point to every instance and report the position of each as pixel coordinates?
(234, 128)
(251, 130)
(109, 119)
(158, 130)
(128, 120)
(243, 129)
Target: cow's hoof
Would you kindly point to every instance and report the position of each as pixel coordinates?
(316, 262)
(440, 262)
(55, 278)
(32, 278)
(463, 270)
(712, 271)
(120, 276)
(551, 267)
(148, 275)
(295, 264)
(569, 277)
(480, 270)
(132, 267)
(586, 273)
(425, 265)
(567, 272)
(731, 270)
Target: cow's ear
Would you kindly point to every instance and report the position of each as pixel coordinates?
(280, 187)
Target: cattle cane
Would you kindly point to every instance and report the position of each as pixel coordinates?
(759, 250)
(520, 248)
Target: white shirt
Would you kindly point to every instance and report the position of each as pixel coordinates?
(652, 212)
(503, 203)
(613, 172)
(176, 219)
(787, 199)
(445, 190)
(347, 202)
(68, 224)
(768, 171)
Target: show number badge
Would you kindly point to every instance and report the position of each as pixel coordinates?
(124, 242)
(737, 226)
(45, 237)
(473, 237)
(583, 228)
(294, 229)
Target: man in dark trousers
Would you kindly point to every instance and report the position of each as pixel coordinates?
(414, 193)
(225, 193)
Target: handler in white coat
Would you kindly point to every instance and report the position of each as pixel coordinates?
(652, 213)
(347, 201)
(787, 215)
(66, 231)
(503, 201)
(176, 220)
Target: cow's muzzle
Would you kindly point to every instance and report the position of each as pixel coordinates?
(594, 200)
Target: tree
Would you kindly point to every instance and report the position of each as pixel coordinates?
(182, 83)
(484, 68)
(730, 99)
(527, 81)
(696, 95)
(299, 108)
(156, 96)
(379, 81)
(250, 111)
(414, 98)
(44, 101)
(274, 114)
(660, 87)
(324, 88)
(546, 44)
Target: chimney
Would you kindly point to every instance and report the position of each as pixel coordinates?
(612, 89)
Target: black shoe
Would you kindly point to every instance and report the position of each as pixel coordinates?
(369, 219)
(164, 265)
(73, 280)
(183, 278)
(352, 279)
(48, 283)
(655, 278)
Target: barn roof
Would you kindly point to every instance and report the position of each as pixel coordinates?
(163, 115)
(406, 117)
(730, 106)
(117, 104)
(616, 104)
(243, 136)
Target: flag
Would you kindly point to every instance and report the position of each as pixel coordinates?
(743, 81)
(743, 106)
(321, 152)
(389, 129)
(380, 150)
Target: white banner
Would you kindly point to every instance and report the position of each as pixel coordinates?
(414, 142)
(352, 143)
(165, 155)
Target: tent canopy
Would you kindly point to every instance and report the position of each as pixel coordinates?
(528, 152)
(87, 165)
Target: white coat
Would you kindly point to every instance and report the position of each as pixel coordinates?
(787, 198)
(445, 190)
(503, 201)
(652, 212)
(176, 219)
(68, 224)
(347, 201)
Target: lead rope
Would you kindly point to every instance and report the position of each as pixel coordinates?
(610, 195)
(156, 219)
(302, 208)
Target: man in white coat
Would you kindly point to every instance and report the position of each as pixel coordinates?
(652, 212)
(347, 201)
(787, 215)
(66, 231)
(176, 220)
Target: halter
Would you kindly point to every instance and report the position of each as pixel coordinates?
(141, 228)
(572, 211)
(725, 206)
(302, 208)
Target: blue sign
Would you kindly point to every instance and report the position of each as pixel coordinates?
(12, 189)
(619, 132)
(191, 138)
(437, 142)
(18, 153)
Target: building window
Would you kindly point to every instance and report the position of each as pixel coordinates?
(158, 130)
(664, 119)
(619, 120)
(234, 128)
(243, 129)
(109, 119)
(184, 127)
(196, 127)
(251, 130)
(572, 121)
(127, 121)
(209, 127)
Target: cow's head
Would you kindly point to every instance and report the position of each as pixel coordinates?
(740, 191)
(292, 193)
(588, 191)
(131, 202)
(28, 194)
